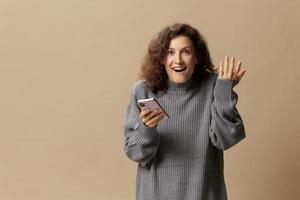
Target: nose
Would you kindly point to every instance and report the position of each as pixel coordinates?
(178, 59)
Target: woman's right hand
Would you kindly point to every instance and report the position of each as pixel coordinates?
(151, 117)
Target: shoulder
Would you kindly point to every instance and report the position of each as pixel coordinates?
(206, 83)
(211, 78)
(139, 89)
(138, 86)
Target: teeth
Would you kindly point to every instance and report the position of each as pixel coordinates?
(179, 68)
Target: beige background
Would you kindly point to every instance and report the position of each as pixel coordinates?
(66, 69)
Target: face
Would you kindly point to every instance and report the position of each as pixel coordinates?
(180, 59)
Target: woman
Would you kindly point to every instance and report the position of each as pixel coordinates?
(181, 158)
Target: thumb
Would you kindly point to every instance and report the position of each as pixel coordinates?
(241, 74)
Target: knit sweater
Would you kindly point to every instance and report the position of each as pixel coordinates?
(182, 157)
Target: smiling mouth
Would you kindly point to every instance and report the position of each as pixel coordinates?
(179, 69)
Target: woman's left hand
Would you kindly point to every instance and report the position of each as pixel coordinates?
(229, 70)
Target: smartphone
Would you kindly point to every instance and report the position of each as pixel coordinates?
(151, 104)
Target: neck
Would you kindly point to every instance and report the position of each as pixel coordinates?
(179, 87)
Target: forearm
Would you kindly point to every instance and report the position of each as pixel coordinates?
(227, 127)
(141, 142)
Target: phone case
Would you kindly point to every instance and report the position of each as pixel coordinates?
(152, 104)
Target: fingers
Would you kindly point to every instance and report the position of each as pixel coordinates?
(229, 70)
(226, 66)
(221, 69)
(144, 113)
(148, 115)
(154, 121)
(151, 117)
(241, 74)
(238, 68)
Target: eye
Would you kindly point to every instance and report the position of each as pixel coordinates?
(170, 52)
(187, 52)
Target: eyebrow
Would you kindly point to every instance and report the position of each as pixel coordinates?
(184, 47)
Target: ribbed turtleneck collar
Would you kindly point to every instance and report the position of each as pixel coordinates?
(179, 87)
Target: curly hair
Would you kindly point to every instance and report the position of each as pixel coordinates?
(154, 72)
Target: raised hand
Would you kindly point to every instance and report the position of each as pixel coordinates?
(229, 70)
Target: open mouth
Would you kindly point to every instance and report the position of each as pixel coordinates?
(179, 69)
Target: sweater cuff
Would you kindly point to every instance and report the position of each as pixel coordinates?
(143, 133)
(222, 91)
(224, 95)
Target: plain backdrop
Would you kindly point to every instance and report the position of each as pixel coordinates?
(66, 69)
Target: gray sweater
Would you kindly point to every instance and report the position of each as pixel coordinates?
(182, 157)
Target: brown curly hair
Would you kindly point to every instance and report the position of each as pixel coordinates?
(154, 72)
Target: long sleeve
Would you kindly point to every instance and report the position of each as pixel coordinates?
(226, 127)
(141, 142)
